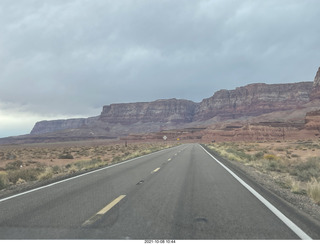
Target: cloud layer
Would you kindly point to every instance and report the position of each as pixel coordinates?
(69, 58)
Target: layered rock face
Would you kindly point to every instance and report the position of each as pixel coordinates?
(58, 125)
(126, 118)
(254, 100)
(164, 111)
(312, 120)
(315, 94)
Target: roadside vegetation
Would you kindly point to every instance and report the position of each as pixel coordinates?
(292, 165)
(21, 164)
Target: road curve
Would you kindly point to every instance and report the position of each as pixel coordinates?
(178, 193)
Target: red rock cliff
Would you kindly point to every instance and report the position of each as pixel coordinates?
(253, 100)
(164, 111)
(315, 94)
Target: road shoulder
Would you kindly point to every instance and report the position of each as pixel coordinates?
(298, 208)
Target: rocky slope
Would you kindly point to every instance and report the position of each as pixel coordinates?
(315, 93)
(292, 100)
(313, 120)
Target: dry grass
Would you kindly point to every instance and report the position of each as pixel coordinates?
(313, 189)
(293, 165)
(36, 162)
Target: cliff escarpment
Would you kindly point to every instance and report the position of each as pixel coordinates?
(315, 94)
(254, 100)
(49, 126)
(163, 111)
(123, 119)
(144, 117)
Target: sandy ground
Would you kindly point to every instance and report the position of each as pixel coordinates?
(51, 154)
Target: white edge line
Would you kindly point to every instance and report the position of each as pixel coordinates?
(74, 177)
(299, 232)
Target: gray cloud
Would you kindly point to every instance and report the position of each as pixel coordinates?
(69, 58)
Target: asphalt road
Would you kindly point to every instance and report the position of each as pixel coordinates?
(178, 193)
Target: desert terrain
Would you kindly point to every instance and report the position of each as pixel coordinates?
(26, 164)
(291, 165)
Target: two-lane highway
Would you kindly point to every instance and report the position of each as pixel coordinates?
(178, 193)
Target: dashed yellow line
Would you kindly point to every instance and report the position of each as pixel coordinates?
(155, 170)
(103, 211)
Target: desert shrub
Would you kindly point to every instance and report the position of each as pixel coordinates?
(285, 183)
(240, 154)
(66, 156)
(307, 170)
(116, 159)
(25, 174)
(3, 180)
(273, 165)
(81, 164)
(296, 189)
(259, 155)
(56, 169)
(10, 156)
(89, 164)
(313, 190)
(270, 157)
(14, 165)
(232, 157)
(46, 175)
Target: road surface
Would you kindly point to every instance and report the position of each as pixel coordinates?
(177, 193)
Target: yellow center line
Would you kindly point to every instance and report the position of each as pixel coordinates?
(155, 170)
(110, 205)
(103, 211)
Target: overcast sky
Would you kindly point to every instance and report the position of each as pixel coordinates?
(68, 58)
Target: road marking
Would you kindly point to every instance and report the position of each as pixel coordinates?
(299, 232)
(169, 159)
(103, 211)
(155, 170)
